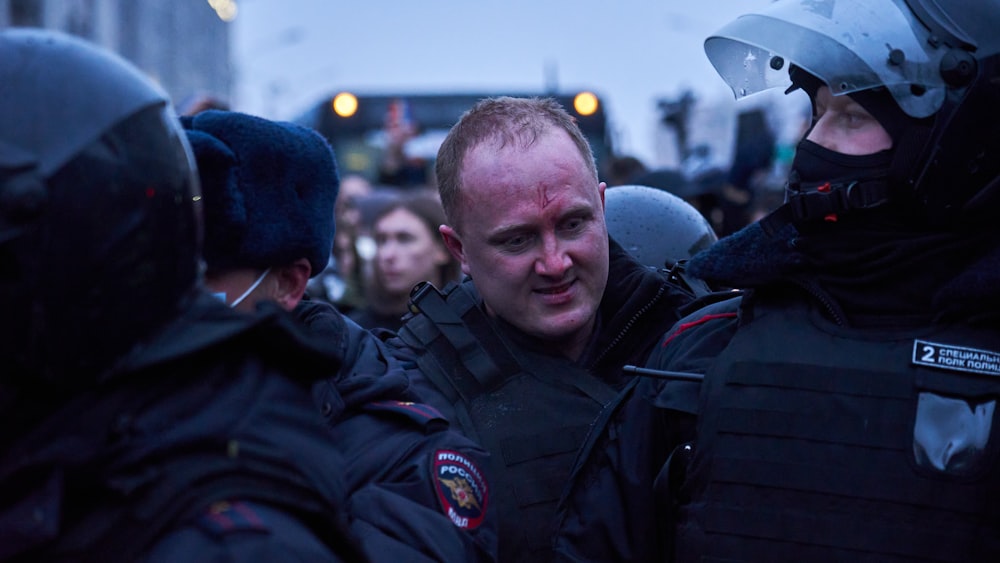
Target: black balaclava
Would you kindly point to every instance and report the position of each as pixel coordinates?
(885, 172)
(815, 165)
(874, 262)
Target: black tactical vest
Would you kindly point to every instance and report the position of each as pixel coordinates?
(531, 411)
(818, 443)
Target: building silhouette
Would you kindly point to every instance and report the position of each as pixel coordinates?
(183, 45)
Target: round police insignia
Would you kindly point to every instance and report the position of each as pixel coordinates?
(461, 489)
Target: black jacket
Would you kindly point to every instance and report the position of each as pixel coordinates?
(400, 504)
(205, 444)
(533, 453)
(860, 281)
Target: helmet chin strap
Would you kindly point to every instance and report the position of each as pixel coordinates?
(827, 202)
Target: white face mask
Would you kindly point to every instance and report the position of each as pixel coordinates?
(252, 287)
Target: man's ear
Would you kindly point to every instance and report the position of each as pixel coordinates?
(291, 283)
(455, 247)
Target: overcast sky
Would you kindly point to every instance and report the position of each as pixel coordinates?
(292, 53)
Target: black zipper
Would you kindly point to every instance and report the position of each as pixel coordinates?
(631, 322)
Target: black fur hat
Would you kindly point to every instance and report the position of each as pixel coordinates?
(268, 189)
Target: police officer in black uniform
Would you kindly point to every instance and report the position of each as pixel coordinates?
(142, 419)
(849, 405)
(525, 352)
(268, 189)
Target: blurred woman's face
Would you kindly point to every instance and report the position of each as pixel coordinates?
(407, 252)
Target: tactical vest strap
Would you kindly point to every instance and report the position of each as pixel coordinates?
(531, 411)
(678, 274)
(554, 372)
(456, 317)
(433, 369)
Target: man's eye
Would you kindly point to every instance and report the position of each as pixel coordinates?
(516, 242)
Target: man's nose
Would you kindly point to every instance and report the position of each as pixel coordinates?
(554, 260)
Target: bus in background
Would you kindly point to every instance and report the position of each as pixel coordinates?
(357, 125)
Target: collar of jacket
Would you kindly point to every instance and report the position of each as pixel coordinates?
(753, 258)
(639, 304)
(206, 324)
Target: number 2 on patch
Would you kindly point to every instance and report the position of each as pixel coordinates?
(928, 354)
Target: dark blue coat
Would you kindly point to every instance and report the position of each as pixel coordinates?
(401, 455)
(203, 445)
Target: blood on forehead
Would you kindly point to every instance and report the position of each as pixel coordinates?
(544, 197)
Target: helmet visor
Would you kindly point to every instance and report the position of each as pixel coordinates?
(851, 45)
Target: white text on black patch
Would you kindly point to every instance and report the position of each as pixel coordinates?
(957, 358)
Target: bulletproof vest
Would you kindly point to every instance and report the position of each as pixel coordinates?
(531, 411)
(823, 443)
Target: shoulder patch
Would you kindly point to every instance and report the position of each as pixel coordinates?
(461, 488)
(226, 517)
(689, 325)
(956, 358)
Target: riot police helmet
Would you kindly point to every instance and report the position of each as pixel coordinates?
(656, 227)
(938, 61)
(99, 237)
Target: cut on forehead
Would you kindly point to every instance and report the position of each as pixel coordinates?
(505, 122)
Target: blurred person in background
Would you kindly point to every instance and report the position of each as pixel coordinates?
(341, 281)
(409, 251)
(397, 167)
(623, 170)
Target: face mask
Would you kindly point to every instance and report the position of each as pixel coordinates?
(250, 289)
(815, 165)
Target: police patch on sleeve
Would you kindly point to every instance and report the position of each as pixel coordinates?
(460, 488)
